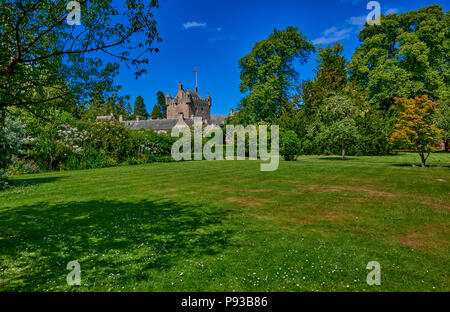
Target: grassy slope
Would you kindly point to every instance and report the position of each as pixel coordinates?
(224, 225)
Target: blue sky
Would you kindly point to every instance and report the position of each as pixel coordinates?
(212, 35)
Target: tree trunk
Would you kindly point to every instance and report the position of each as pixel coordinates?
(423, 159)
(343, 152)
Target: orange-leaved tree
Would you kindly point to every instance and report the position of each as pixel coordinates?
(415, 127)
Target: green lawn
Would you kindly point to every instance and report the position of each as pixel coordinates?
(312, 225)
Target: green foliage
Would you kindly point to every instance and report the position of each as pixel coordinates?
(293, 119)
(44, 62)
(139, 107)
(161, 102)
(151, 143)
(290, 146)
(81, 145)
(442, 119)
(331, 78)
(268, 74)
(375, 127)
(335, 123)
(156, 112)
(11, 135)
(22, 166)
(405, 56)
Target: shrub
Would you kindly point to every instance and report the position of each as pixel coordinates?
(22, 166)
(111, 137)
(290, 146)
(67, 145)
(11, 135)
(149, 142)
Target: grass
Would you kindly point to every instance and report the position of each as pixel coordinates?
(312, 225)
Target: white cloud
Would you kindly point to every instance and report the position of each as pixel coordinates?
(333, 34)
(189, 25)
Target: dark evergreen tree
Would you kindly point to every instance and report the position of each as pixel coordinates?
(139, 108)
(156, 112)
(161, 102)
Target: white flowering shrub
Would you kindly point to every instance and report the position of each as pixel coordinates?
(71, 138)
(11, 135)
(55, 145)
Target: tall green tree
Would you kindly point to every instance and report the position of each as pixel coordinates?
(331, 78)
(335, 123)
(45, 62)
(161, 102)
(128, 109)
(406, 56)
(268, 74)
(156, 112)
(139, 107)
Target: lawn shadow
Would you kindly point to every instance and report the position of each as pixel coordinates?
(419, 165)
(128, 240)
(334, 158)
(33, 181)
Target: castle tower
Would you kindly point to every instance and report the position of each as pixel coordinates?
(189, 104)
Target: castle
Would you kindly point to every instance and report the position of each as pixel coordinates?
(181, 111)
(189, 104)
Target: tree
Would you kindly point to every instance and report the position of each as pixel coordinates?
(415, 126)
(443, 121)
(161, 102)
(156, 112)
(139, 107)
(268, 74)
(45, 62)
(290, 146)
(331, 78)
(114, 104)
(128, 110)
(406, 56)
(335, 123)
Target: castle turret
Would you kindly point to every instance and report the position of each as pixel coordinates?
(168, 99)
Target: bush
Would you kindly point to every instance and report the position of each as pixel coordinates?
(290, 146)
(22, 166)
(68, 145)
(11, 135)
(149, 142)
